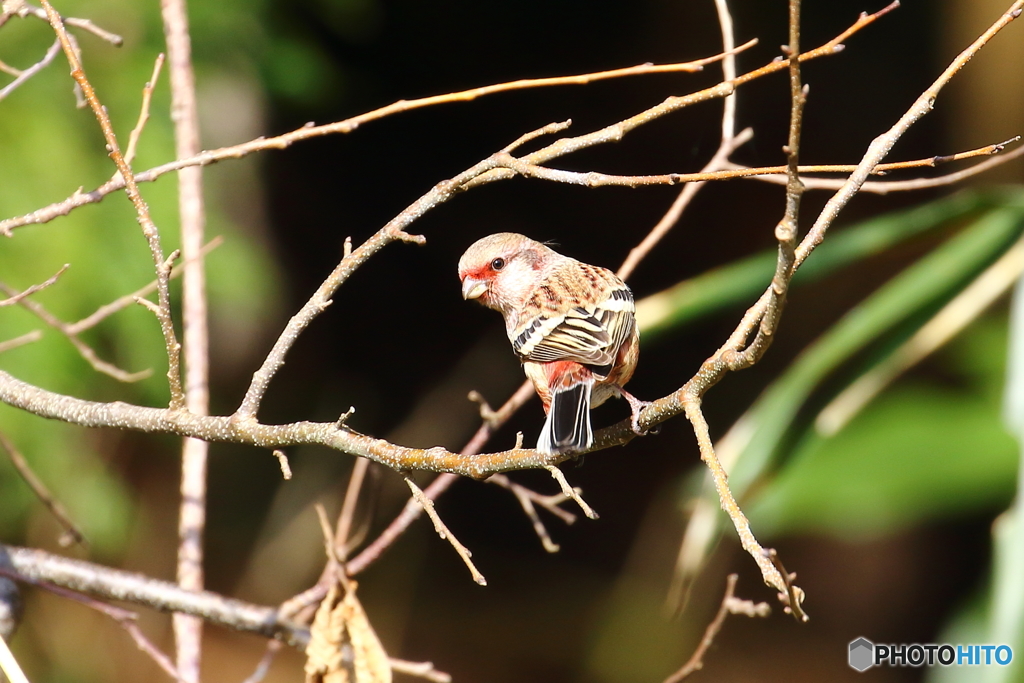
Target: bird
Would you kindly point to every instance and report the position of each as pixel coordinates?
(571, 324)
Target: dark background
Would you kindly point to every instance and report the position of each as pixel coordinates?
(401, 346)
(399, 328)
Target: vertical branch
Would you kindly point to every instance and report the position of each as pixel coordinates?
(192, 516)
(736, 353)
(728, 69)
(729, 143)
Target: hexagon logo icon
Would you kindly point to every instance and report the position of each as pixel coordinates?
(862, 654)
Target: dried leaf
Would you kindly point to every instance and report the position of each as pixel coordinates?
(343, 647)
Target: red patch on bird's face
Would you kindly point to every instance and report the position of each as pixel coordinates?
(481, 273)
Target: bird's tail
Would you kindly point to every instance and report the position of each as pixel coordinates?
(568, 427)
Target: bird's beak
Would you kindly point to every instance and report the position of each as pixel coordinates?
(472, 289)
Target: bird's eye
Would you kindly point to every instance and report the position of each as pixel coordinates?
(497, 264)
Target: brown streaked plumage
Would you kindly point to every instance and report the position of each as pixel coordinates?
(571, 324)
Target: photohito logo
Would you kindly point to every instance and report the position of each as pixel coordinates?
(864, 654)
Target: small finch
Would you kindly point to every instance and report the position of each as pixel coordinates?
(570, 323)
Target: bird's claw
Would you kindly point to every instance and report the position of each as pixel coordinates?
(638, 408)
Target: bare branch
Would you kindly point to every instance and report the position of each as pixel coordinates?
(709, 172)
(887, 186)
(419, 669)
(527, 498)
(27, 338)
(16, 298)
(149, 229)
(107, 310)
(730, 605)
(192, 508)
(84, 24)
(444, 532)
(72, 534)
(83, 349)
(116, 584)
(565, 146)
(126, 619)
(147, 97)
(571, 493)
(348, 507)
(28, 73)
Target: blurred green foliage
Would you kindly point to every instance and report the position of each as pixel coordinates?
(922, 450)
(917, 452)
(50, 149)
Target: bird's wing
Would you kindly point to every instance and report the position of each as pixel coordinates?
(590, 333)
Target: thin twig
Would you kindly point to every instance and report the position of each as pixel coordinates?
(16, 298)
(163, 310)
(4, 66)
(72, 534)
(121, 303)
(72, 330)
(730, 605)
(22, 340)
(528, 499)
(710, 171)
(84, 24)
(671, 217)
(412, 510)
(420, 670)
(790, 596)
(147, 97)
(531, 513)
(31, 71)
(565, 146)
(348, 507)
(570, 492)
(263, 667)
(84, 350)
(887, 186)
(444, 532)
(282, 461)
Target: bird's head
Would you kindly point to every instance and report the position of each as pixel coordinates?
(501, 270)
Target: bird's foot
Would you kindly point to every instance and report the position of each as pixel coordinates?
(636, 406)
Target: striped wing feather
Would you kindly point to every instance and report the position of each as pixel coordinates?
(589, 334)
